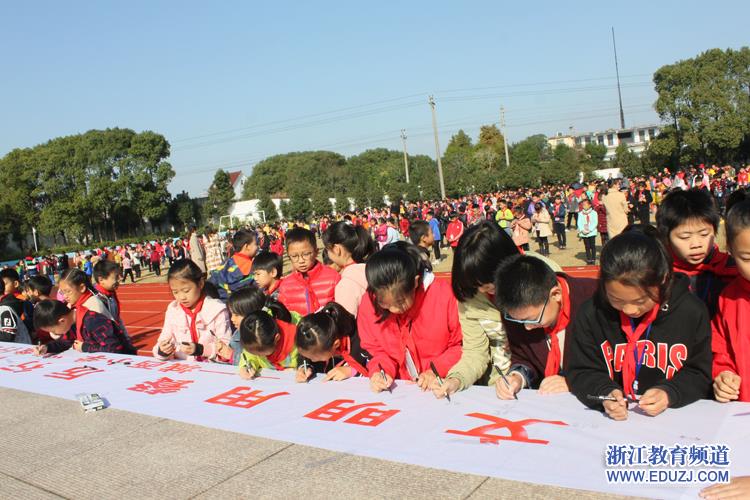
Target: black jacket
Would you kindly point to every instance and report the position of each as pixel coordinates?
(677, 353)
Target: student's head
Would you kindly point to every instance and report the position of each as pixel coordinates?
(54, 317)
(73, 284)
(245, 242)
(38, 288)
(11, 279)
(259, 333)
(527, 292)
(344, 241)
(478, 253)
(737, 196)
(738, 236)
(687, 222)
(302, 249)
(186, 281)
(420, 234)
(393, 275)
(267, 268)
(107, 275)
(252, 299)
(635, 272)
(585, 204)
(319, 335)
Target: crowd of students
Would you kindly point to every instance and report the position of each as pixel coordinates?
(661, 327)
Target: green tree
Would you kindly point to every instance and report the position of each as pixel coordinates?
(320, 203)
(220, 196)
(628, 162)
(266, 204)
(299, 206)
(705, 101)
(183, 211)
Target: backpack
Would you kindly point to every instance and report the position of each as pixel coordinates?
(11, 324)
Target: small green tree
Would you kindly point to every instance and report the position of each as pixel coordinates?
(320, 203)
(627, 161)
(265, 203)
(299, 206)
(220, 196)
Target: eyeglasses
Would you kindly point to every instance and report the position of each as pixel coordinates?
(302, 256)
(528, 321)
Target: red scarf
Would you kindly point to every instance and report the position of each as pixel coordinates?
(109, 294)
(628, 365)
(284, 346)
(344, 352)
(81, 311)
(554, 358)
(715, 263)
(244, 263)
(273, 287)
(192, 315)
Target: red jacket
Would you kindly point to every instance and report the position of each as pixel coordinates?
(454, 232)
(430, 330)
(730, 338)
(306, 295)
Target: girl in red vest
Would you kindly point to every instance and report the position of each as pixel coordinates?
(408, 321)
(82, 329)
(327, 336)
(731, 339)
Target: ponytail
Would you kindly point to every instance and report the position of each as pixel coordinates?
(321, 329)
(252, 299)
(259, 329)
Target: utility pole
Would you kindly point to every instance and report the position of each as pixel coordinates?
(406, 157)
(617, 71)
(431, 101)
(505, 137)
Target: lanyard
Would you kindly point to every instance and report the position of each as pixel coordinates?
(639, 359)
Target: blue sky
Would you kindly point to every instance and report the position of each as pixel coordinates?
(231, 83)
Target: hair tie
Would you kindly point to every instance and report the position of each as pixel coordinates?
(267, 311)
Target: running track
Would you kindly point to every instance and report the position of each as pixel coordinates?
(143, 307)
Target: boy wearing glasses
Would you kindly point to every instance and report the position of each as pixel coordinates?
(538, 308)
(311, 284)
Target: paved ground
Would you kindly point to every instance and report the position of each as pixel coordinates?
(52, 449)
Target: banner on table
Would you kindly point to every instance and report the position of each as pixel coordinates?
(550, 440)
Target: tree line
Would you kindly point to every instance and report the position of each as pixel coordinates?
(105, 184)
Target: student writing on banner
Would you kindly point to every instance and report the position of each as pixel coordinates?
(479, 252)
(267, 343)
(193, 320)
(329, 338)
(539, 309)
(407, 320)
(643, 336)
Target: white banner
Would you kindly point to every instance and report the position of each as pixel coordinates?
(550, 440)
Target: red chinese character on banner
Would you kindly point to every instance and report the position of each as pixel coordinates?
(91, 358)
(243, 397)
(179, 368)
(26, 352)
(336, 410)
(10, 349)
(163, 385)
(23, 367)
(517, 429)
(148, 364)
(74, 373)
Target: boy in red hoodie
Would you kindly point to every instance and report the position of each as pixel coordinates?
(311, 284)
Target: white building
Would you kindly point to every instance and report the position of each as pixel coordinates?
(636, 139)
(237, 180)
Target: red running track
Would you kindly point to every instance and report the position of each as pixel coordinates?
(143, 307)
